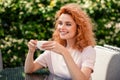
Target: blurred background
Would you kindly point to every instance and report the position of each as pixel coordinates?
(22, 20)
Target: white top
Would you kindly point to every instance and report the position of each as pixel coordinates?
(56, 64)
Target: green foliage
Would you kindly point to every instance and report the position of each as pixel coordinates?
(107, 18)
(22, 20)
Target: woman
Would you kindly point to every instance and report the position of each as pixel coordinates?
(71, 54)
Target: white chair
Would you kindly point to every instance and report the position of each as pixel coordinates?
(107, 66)
(112, 47)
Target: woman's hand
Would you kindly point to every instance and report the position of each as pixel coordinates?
(32, 45)
(54, 46)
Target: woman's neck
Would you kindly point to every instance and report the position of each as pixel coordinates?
(70, 43)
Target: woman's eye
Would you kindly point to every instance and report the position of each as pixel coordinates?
(68, 24)
(59, 23)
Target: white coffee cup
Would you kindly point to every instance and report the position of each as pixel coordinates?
(40, 43)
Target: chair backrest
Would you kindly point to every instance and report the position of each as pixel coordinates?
(1, 63)
(112, 47)
(107, 66)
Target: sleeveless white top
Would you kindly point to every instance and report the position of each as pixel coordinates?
(56, 64)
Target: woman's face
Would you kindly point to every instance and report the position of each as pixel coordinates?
(66, 27)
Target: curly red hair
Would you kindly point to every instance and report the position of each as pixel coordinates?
(85, 35)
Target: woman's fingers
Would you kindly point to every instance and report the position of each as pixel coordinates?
(49, 45)
(32, 45)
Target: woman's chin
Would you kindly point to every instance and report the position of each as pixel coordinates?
(63, 37)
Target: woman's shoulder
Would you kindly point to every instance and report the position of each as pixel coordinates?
(89, 49)
(45, 53)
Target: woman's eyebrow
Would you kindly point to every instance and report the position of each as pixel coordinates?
(65, 21)
(68, 22)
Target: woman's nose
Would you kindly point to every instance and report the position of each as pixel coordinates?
(63, 26)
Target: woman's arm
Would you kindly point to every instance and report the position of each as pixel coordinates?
(76, 73)
(30, 65)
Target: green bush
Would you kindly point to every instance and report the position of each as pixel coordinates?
(22, 20)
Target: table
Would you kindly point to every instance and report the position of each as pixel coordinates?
(17, 73)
